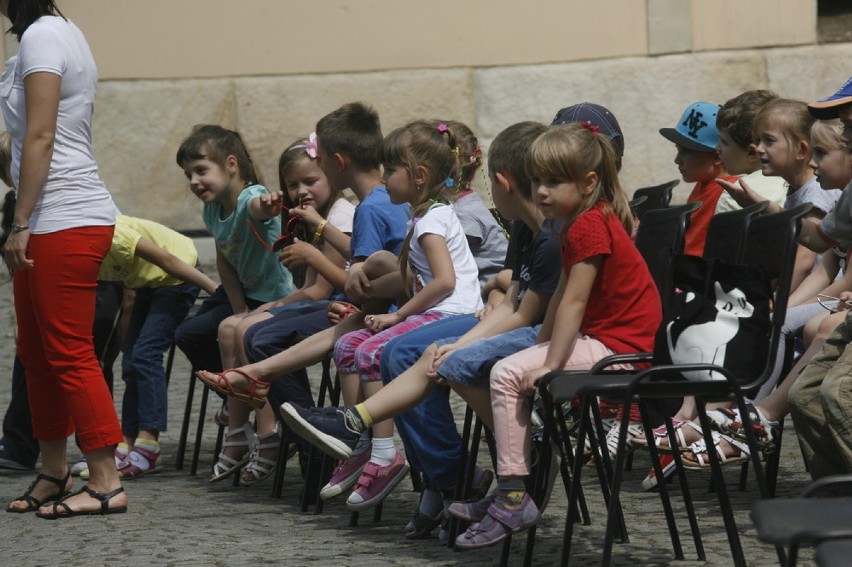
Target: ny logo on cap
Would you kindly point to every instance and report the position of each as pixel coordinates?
(694, 122)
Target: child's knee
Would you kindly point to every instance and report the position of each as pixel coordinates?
(380, 263)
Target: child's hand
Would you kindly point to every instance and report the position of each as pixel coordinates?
(531, 379)
(737, 191)
(297, 254)
(358, 286)
(441, 353)
(378, 323)
(309, 216)
(271, 203)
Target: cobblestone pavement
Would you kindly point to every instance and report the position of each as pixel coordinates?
(182, 520)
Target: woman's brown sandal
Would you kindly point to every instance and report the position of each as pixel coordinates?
(34, 503)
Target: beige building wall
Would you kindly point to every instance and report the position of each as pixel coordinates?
(271, 68)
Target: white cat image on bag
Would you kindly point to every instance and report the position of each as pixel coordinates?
(707, 342)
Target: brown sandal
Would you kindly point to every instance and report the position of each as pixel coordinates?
(34, 503)
(222, 384)
(63, 510)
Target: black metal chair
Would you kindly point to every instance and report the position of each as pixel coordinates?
(771, 244)
(834, 553)
(813, 518)
(657, 197)
(728, 232)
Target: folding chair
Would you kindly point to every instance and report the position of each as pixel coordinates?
(835, 553)
(771, 244)
(657, 197)
(811, 519)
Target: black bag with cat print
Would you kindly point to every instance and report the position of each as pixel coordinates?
(719, 314)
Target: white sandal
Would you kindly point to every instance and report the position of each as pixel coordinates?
(226, 465)
(702, 458)
(260, 468)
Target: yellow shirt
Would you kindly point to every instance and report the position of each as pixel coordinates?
(122, 265)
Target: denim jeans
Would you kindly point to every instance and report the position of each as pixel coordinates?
(290, 325)
(198, 336)
(821, 405)
(156, 314)
(464, 366)
(428, 430)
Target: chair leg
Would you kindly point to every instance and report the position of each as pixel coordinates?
(187, 413)
(199, 430)
(721, 489)
(664, 490)
(461, 480)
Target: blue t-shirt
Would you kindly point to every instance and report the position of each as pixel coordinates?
(378, 225)
(538, 258)
(239, 238)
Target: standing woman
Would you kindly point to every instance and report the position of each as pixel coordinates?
(63, 228)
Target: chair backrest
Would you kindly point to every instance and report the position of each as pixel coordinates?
(660, 236)
(657, 197)
(772, 245)
(727, 233)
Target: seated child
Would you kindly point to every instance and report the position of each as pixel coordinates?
(697, 158)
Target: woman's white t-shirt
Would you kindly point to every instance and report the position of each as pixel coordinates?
(74, 194)
(442, 220)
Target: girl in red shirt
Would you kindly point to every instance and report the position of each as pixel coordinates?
(606, 303)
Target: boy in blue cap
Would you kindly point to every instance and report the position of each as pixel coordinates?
(697, 158)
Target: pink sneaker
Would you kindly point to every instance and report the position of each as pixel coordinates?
(376, 482)
(345, 475)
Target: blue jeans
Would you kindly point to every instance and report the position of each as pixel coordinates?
(428, 430)
(464, 366)
(155, 316)
(290, 325)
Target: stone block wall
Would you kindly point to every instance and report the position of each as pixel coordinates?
(139, 124)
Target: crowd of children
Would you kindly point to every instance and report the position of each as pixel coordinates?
(417, 291)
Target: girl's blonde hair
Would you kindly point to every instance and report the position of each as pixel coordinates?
(791, 117)
(434, 146)
(571, 152)
(296, 152)
(829, 133)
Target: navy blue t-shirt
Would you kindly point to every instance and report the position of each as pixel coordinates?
(538, 259)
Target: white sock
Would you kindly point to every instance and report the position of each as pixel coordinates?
(383, 451)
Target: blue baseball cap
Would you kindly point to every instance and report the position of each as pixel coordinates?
(826, 108)
(696, 129)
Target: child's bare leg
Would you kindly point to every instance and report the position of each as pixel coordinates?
(479, 399)
(240, 333)
(402, 393)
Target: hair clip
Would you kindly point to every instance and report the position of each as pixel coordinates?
(455, 150)
(311, 147)
(449, 182)
(591, 127)
(476, 157)
(442, 128)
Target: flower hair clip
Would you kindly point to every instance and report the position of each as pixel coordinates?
(311, 147)
(591, 127)
(449, 182)
(476, 157)
(442, 128)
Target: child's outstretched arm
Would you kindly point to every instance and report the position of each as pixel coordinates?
(266, 206)
(231, 282)
(442, 284)
(173, 265)
(563, 326)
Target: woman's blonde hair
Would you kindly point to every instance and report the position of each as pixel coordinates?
(571, 152)
(432, 145)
